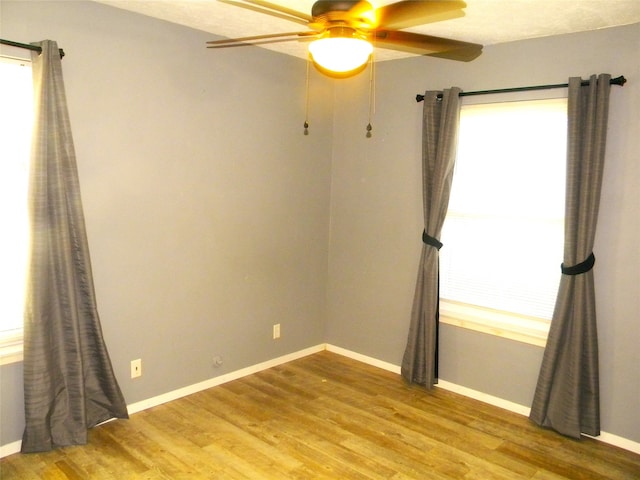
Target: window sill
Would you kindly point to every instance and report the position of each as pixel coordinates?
(516, 327)
(11, 348)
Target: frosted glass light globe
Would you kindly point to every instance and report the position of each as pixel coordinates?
(339, 54)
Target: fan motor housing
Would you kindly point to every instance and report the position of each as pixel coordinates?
(322, 7)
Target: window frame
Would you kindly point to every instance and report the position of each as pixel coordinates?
(510, 325)
(513, 326)
(11, 347)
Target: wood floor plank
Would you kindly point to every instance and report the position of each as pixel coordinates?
(325, 417)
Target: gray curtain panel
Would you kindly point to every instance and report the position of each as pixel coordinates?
(69, 385)
(441, 117)
(567, 396)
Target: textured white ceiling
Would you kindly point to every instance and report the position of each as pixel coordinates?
(486, 22)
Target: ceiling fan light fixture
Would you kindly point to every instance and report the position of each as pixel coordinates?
(341, 51)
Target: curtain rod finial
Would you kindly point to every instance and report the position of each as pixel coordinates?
(618, 80)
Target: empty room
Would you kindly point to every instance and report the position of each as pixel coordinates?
(224, 258)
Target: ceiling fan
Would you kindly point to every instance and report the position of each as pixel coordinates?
(343, 32)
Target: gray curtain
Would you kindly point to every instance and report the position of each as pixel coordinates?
(69, 385)
(440, 122)
(567, 396)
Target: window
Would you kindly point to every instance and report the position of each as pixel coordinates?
(503, 235)
(16, 118)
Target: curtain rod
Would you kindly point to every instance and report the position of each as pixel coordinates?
(26, 46)
(614, 81)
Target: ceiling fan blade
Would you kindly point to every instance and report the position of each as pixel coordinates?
(426, 45)
(409, 13)
(256, 39)
(266, 42)
(271, 9)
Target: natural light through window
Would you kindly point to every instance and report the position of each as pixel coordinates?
(503, 235)
(16, 116)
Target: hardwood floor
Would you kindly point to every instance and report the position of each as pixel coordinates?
(327, 417)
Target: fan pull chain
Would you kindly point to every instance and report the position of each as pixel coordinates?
(306, 107)
(372, 94)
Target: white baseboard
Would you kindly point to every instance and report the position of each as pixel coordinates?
(617, 441)
(227, 377)
(605, 437)
(364, 359)
(10, 448)
(483, 397)
(14, 447)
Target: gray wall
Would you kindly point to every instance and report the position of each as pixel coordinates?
(206, 206)
(208, 212)
(376, 217)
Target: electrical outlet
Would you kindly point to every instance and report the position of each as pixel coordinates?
(136, 368)
(276, 331)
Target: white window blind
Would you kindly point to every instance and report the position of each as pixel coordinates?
(16, 118)
(503, 235)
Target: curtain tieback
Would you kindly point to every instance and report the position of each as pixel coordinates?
(582, 267)
(429, 240)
